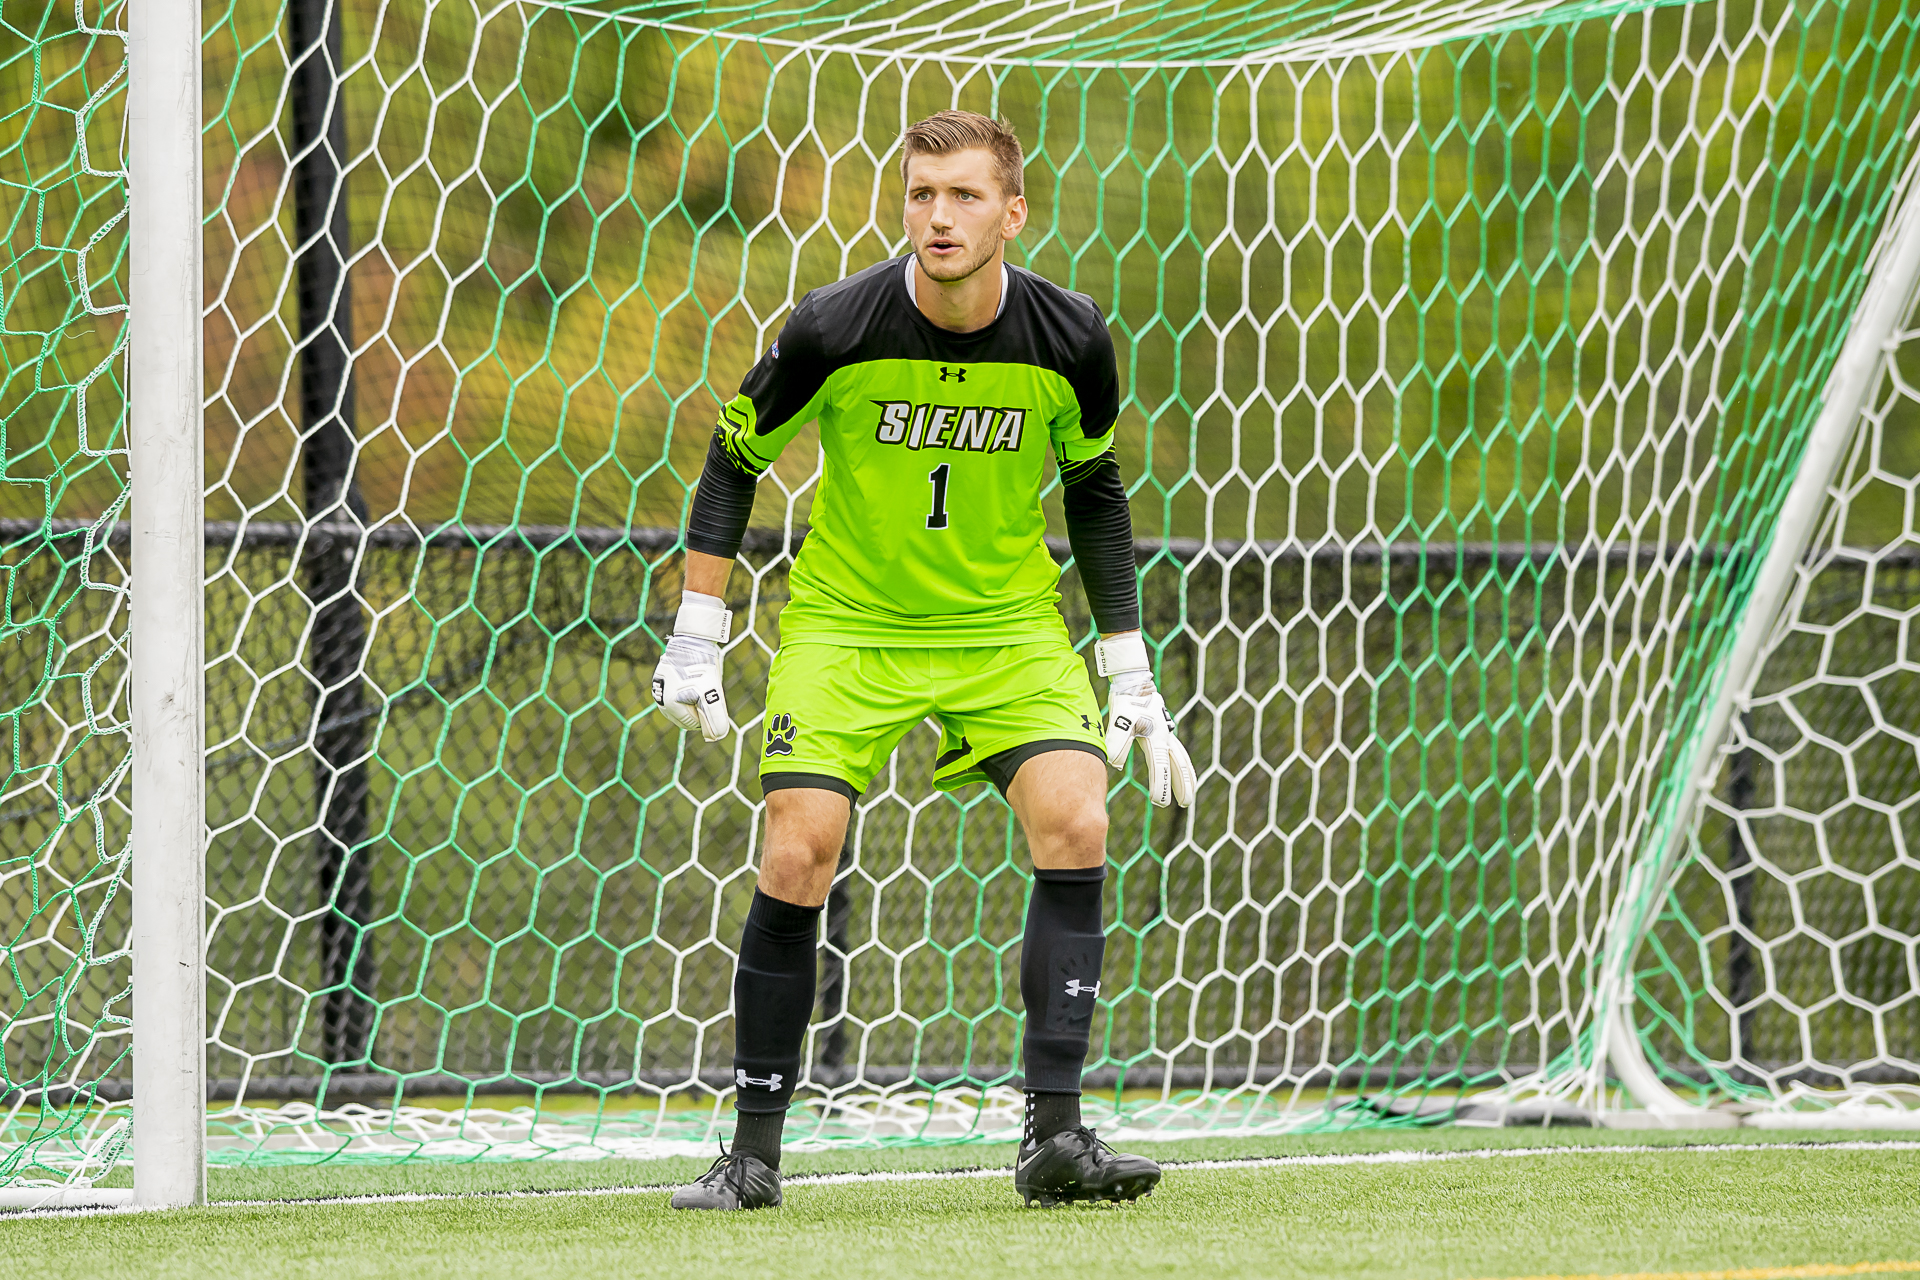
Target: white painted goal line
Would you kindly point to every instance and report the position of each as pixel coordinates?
(1001, 1171)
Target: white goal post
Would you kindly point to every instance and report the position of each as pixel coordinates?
(166, 670)
(167, 688)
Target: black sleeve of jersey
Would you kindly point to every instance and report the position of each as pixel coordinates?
(788, 373)
(780, 384)
(718, 519)
(1096, 381)
(1100, 530)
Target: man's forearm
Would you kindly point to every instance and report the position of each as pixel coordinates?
(708, 574)
(717, 521)
(1100, 530)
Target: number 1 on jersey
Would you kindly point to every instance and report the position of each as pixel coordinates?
(937, 518)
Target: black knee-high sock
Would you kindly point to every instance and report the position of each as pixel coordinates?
(1060, 961)
(772, 1001)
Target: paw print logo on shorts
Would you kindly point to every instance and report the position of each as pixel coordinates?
(780, 735)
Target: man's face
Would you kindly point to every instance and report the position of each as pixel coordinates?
(957, 217)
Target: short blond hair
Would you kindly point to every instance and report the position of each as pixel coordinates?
(945, 132)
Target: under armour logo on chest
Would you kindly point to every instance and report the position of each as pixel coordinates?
(954, 375)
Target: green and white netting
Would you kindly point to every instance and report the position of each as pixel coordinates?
(1467, 355)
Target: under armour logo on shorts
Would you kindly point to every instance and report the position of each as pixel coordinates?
(1075, 987)
(743, 1079)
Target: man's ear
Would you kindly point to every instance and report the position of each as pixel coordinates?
(1015, 220)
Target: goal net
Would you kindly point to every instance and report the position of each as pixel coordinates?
(1469, 357)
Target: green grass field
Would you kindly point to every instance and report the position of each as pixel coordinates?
(1783, 1206)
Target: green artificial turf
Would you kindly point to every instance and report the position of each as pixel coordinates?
(350, 1179)
(1602, 1212)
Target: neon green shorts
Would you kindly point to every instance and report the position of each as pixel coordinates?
(835, 713)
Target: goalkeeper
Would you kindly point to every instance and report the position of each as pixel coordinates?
(941, 382)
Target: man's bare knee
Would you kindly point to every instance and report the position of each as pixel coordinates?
(1062, 802)
(805, 830)
(1070, 837)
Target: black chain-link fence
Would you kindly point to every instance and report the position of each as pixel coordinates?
(520, 874)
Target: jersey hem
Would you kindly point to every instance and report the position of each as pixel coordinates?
(882, 637)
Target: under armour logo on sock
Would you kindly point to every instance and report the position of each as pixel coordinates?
(1075, 987)
(743, 1079)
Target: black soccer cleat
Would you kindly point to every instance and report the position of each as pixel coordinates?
(1075, 1165)
(736, 1181)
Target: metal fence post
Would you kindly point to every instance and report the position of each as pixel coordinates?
(336, 520)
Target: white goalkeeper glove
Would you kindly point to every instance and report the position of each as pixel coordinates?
(1136, 710)
(686, 684)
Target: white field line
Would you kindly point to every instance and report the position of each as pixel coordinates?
(934, 1175)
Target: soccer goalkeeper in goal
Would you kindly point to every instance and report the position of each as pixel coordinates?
(941, 380)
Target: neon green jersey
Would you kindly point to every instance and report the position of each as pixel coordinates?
(927, 528)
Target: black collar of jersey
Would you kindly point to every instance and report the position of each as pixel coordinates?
(940, 333)
(868, 316)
